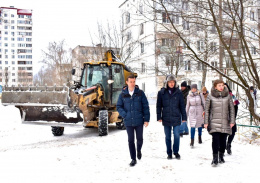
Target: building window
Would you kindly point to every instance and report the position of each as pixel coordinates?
(185, 5)
(6, 33)
(200, 66)
(175, 19)
(141, 28)
(13, 74)
(165, 18)
(253, 50)
(185, 46)
(6, 27)
(143, 68)
(13, 62)
(253, 34)
(6, 62)
(127, 17)
(6, 56)
(12, 15)
(187, 66)
(12, 21)
(167, 42)
(6, 38)
(200, 45)
(142, 47)
(213, 46)
(214, 64)
(185, 25)
(252, 16)
(5, 15)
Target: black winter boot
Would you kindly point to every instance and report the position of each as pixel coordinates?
(229, 149)
(192, 142)
(133, 162)
(215, 159)
(221, 158)
(200, 140)
(139, 155)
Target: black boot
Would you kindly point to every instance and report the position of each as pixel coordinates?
(177, 156)
(181, 134)
(200, 140)
(133, 162)
(139, 154)
(192, 142)
(169, 156)
(215, 159)
(221, 158)
(229, 149)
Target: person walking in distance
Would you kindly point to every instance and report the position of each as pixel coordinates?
(195, 112)
(171, 112)
(219, 119)
(133, 106)
(205, 93)
(185, 89)
(234, 128)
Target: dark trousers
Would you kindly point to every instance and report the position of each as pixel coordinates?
(234, 128)
(218, 142)
(131, 131)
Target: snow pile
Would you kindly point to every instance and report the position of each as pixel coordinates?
(33, 154)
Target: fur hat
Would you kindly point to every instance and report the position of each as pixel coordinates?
(170, 78)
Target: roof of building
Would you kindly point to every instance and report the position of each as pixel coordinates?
(19, 11)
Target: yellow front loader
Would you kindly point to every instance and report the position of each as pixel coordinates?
(91, 101)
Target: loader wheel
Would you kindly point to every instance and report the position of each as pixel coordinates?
(103, 123)
(57, 130)
(120, 125)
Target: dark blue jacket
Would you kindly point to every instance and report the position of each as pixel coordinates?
(170, 108)
(135, 109)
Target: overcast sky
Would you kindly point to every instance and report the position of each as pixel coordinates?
(55, 20)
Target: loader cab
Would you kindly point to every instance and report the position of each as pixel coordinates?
(111, 77)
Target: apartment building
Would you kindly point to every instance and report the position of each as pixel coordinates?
(16, 58)
(157, 51)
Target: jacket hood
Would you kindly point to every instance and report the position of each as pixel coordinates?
(216, 93)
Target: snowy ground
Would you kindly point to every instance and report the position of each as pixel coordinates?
(32, 154)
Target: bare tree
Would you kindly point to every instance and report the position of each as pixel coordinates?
(58, 60)
(237, 40)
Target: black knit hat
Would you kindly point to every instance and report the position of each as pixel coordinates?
(184, 84)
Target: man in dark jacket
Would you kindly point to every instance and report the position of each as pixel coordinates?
(171, 111)
(185, 89)
(133, 106)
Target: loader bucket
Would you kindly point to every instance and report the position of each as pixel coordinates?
(41, 103)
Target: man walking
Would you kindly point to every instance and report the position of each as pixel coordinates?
(185, 89)
(133, 106)
(171, 111)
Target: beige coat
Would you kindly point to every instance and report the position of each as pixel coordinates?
(219, 111)
(195, 109)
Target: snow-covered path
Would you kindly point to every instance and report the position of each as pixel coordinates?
(32, 154)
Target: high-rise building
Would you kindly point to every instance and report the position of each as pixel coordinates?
(16, 58)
